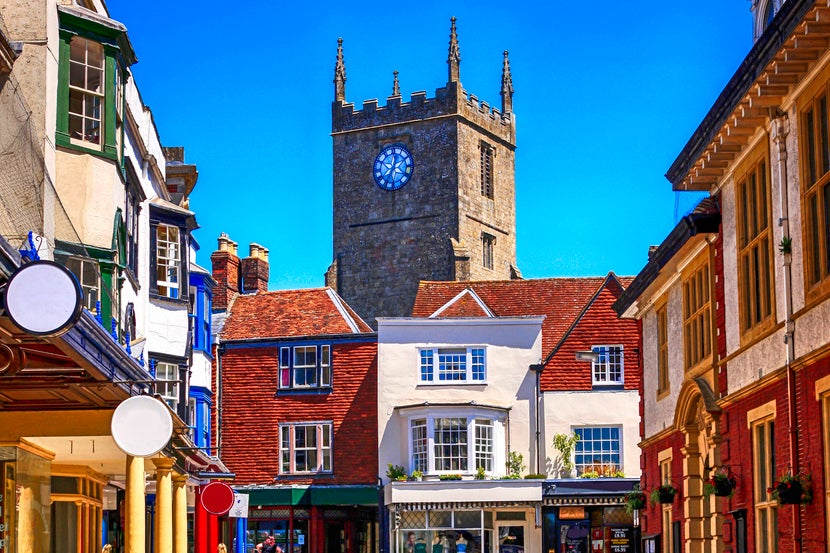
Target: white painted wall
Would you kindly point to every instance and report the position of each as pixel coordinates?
(512, 345)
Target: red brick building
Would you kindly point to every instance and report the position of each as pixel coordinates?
(296, 412)
(734, 305)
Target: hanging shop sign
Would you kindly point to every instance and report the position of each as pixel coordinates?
(43, 298)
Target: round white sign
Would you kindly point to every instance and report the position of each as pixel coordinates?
(43, 298)
(141, 426)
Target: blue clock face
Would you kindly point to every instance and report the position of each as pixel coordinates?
(393, 167)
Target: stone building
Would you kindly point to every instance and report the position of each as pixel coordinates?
(734, 305)
(423, 190)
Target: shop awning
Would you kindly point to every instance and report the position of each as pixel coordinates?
(311, 495)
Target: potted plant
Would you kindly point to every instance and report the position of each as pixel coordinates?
(450, 477)
(792, 489)
(664, 493)
(417, 475)
(481, 474)
(635, 500)
(396, 472)
(721, 484)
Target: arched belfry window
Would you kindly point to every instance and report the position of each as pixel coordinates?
(765, 11)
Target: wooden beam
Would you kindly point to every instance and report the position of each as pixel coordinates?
(780, 78)
(740, 131)
(771, 101)
(781, 67)
(817, 28)
(746, 112)
(753, 122)
(800, 55)
(720, 148)
(812, 41)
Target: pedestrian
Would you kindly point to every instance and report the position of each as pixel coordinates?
(107, 549)
(221, 548)
(269, 546)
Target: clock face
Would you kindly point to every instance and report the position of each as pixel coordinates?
(393, 167)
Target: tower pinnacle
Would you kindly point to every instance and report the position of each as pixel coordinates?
(454, 58)
(340, 74)
(506, 86)
(396, 87)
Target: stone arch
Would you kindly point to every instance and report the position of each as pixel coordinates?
(764, 11)
(697, 418)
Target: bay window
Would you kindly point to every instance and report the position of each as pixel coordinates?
(454, 444)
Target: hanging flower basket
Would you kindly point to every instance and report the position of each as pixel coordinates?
(792, 489)
(663, 494)
(720, 484)
(635, 500)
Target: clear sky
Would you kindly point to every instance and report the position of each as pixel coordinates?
(606, 95)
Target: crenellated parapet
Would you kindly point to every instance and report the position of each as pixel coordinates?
(448, 101)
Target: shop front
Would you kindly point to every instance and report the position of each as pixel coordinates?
(464, 516)
(308, 519)
(589, 516)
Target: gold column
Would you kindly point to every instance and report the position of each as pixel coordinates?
(134, 504)
(164, 506)
(180, 513)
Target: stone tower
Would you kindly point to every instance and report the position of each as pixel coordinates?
(423, 190)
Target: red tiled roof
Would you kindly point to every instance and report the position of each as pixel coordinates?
(286, 313)
(561, 300)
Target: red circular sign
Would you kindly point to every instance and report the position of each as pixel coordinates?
(217, 498)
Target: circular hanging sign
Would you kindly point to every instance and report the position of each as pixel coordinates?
(141, 426)
(43, 298)
(217, 498)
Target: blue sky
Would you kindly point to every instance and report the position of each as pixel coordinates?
(606, 95)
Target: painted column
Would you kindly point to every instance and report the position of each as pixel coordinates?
(134, 506)
(200, 538)
(164, 506)
(180, 513)
(241, 531)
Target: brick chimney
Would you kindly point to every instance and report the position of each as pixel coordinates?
(255, 270)
(225, 270)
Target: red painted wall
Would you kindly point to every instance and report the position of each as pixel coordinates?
(252, 411)
(599, 325)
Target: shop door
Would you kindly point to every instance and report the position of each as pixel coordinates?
(573, 536)
(335, 537)
(511, 537)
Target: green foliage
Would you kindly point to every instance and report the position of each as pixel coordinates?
(450, 477)
(480, 473)
(664, 493)
(565, 444)
(635, 500)
(535, 476)
(515, 464)
(395, 472)
(416, 474)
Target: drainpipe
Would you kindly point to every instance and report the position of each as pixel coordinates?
(220, 349)
(538, 368)
(779, 136)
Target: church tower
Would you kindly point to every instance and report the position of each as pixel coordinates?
(423, 190)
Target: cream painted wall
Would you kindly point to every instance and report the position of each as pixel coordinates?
(565, 411)
(512, 344)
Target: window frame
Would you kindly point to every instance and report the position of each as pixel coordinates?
(118, 57)
(488, 248)
(603, 451)
(664, 465)
(82, 275)
(85, 92)
(697, 314)
(288, 456)
(756, 281)
(479, 449)
(487, 157)
(169, 388)
(815, 191)
(763, 475)
(287, 367)
(164, 288)
(430, 363)
(663, 383)
(604, 365)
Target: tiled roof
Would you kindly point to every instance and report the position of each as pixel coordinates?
(288, 313)
(561, 300)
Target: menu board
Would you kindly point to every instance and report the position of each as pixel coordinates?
(621, 540)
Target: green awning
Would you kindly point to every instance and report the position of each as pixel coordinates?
(312, 495)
